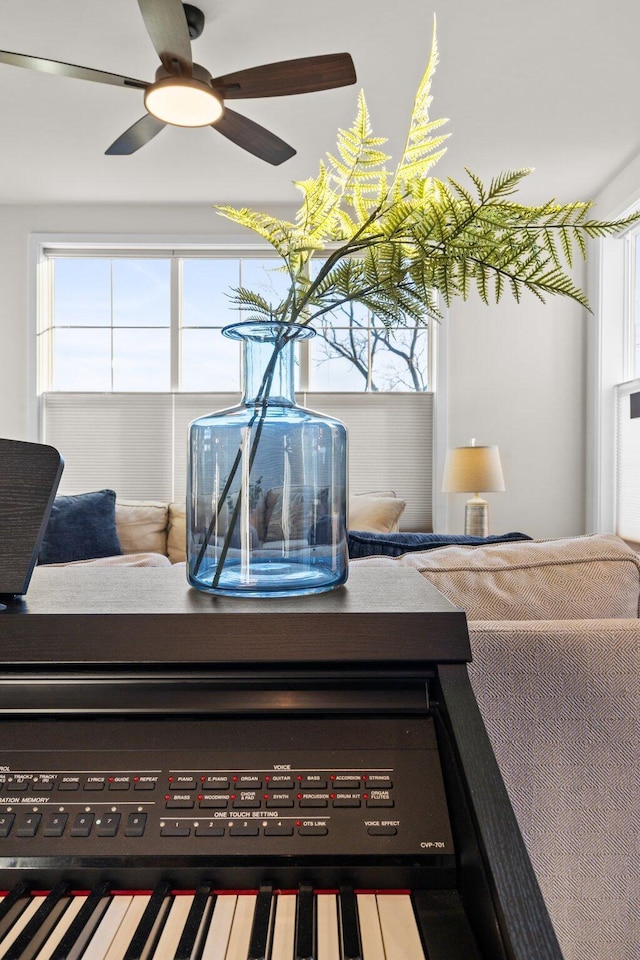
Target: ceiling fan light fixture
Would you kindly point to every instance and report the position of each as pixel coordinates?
(183, 101)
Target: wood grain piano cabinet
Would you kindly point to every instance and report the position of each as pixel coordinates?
(309, 778)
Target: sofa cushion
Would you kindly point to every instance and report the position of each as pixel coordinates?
(177, 533)
(81, 527)
(378, 513)
(570, 579)
(365, 544)
(142, 526)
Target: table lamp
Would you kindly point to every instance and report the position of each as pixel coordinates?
(470, 470)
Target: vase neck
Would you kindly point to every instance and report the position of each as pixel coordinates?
(268, 360)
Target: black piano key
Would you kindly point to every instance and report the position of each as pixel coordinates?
(351, 949)
(147, 921)
(84, 923)
(11, 907)
(261, 923)
(194, 920)
(21, 943)
(305, 932)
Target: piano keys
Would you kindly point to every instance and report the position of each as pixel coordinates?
(209, 924)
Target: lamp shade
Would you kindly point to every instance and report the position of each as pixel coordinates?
(472, 470)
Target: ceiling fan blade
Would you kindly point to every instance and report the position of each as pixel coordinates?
(304, 75)
(136, 136)
(253, 138)
(68, 70)
(166, 24)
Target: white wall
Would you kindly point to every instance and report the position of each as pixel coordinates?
(515, 375)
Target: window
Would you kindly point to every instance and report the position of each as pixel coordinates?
(153, 323)
(130, 351)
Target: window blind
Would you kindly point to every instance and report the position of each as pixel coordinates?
(627, 509)
(136, 443)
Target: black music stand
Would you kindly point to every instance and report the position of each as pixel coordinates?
(29, 477)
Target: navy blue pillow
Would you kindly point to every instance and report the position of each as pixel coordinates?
(364, 544)
(81, 527)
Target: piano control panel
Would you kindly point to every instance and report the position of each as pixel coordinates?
(216, 798)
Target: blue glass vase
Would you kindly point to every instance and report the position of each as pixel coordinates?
(267, 485)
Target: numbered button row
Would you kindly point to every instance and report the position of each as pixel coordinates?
(82, 824)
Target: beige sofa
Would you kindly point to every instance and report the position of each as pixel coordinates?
(555, 636)
(150, 530)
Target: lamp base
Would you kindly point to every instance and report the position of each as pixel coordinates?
(476, 518)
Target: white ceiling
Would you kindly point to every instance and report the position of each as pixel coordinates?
(553, 85)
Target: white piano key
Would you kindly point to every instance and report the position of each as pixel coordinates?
(107, 928)
(128, 927)
(172, 931)
(370, 932)
(61, 928)
(327, 929)
(238, 946)
(284, 927)
(399, 928)
(216, 942)
(20, 923)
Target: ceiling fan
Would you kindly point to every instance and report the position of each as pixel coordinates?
(185, 94)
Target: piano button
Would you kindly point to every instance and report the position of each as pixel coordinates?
(350, 931)
(194, 926)
(55, 824)
(238, 945)
(346, 783)
(119, 783)
(217, 938)
(44, 784)
(174, 830)
(284, 928)
(213, 803)
(150, 921)
(183, 783)
(107, 824)
(27, 824)
(370, 932)
(309, 783)
(261, 925)
(313, 802)
(174, 925)
(380, 802)
(328, 934)
(347, 802)
(180, 803)
(83, 924)
(245, 829)
(107, 928)
(304, 923)
(273, 804)
(280, 783)
(82, 824)
(215, 783)
(6, 822)
(209, 830)
(145, 783)
(379, 783)
(16, 786)
(278, 830)
(136, 823)
(248, 783)
(95, 784)
(246, 804)
(399, 928)
(69, 784)
(315, 831)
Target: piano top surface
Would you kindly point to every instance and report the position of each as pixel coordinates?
(107, 615)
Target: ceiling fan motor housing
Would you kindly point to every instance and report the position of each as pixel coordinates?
(195, 20)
